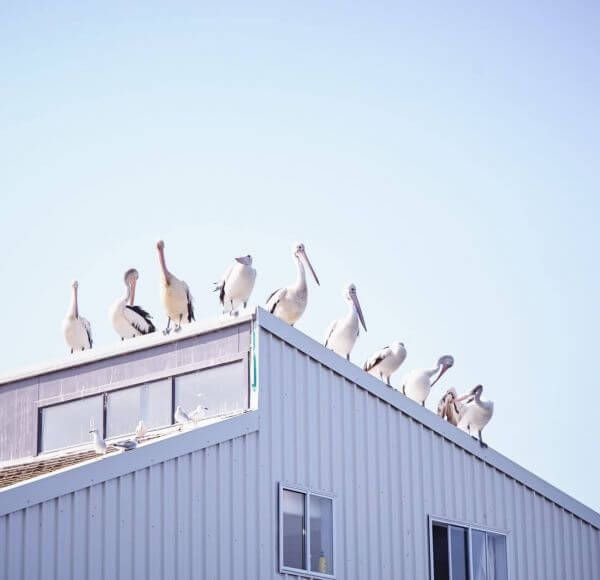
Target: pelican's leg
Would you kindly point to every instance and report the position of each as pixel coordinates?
(178, 325)
(481, 440)
(122, 338)
(168, 329)
(245, 304)
(423, 403)
(388, 382)
(71, 351)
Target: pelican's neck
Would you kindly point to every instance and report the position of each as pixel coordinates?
(74, 311)
(163, 266)
(127, 294)
(352, 311)
(300, 285)
(431, 372)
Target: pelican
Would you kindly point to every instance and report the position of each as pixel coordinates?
(290, 302)
(476, 412)
(99, 444)
(385, 362)
(127, 319)
(77, 329)
(342, 333)
(236, 284)
(418, 383)
(175, 295)
(449, 408)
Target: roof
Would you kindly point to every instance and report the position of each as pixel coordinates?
(124, 347)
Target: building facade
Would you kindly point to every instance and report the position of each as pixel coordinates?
(301, 465)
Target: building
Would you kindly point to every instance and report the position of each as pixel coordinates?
(302, 466)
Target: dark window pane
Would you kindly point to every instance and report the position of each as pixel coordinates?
(458, 553)
(293, 529)
(479, 556)
(222, 389)
(441, 570)
(497, 558)
(321, 534)
(150, 402)
(69, 424)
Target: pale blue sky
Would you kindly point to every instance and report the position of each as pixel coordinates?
(442, 156)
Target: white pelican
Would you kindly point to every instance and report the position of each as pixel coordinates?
(175, 295)
(99, 444)
(449, 408)
(418, 383)
(342, 333)
(476, 412)
(290, 302)
(236, 284)
(385, 362)
(77, 329)
(127, 319)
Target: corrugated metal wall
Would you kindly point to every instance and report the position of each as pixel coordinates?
(390, 473)
(194, 516)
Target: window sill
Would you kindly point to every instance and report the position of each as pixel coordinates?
(306, 573)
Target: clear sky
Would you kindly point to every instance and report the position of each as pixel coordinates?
(442, 156)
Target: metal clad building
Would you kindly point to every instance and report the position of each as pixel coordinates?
(316, 430)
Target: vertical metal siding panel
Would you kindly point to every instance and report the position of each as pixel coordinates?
(312, 442)
(109, 514)
(299, 379)
(595, 552)
(197, 529)
(14, 561)
(336, 462)
(548, 508)
(126, 539)
(362, 530)
(414, 437)
(31, 546)
(384, 507)
(527, 523)
(251, 506)
(519, 531)
(347, 501)
(557, 546)
(436, 473)
(326, 425)
(211, 491)
(509, 499)
(48, 539)
(459, 509)
(64, 536)
(448, 495)
(237, 508)
(142, 524)
(182, 516)
(4, 546)
(426, 452)
(167, 499)
(370, 489)
(394, 491)
(289, 433)
(224, 492)
(408, 560)
(155, 547)
(567, 542)
(579, 554)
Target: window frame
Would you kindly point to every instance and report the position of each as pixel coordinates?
(469, 527)
(105, 391)
(308, 492)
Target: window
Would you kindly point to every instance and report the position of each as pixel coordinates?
(306, 532)
(69, 424)
(220, 389)
(150, 403)
(467, 553)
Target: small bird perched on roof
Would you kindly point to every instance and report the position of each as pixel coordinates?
(127, 445)
(181, 416)
(77, 329)
(99, 444)
(237, 284)
(140, 430)
(385, 362)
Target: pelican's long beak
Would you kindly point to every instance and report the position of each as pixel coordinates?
(244, 260)
(359, 311)
(312, 270)
(132, 295)
(468, 396)
(442, 371)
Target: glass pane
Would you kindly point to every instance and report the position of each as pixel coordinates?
(441, 571)
(150, 402)
(293, 529)
(69, 424)
(458, 553)
(479, 557)
(497, 558)
(221, 389)
(321, 534)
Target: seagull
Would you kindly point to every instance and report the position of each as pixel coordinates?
(290, 302)
(181, 416)
(77, 329)
(236, 284)
(140, 430)
(476, 413)
(175, 294)
(127, 445)
(127, 319)
(198, 413)
(385, 362)
(99, 445)
(418, 383)
(342, 333)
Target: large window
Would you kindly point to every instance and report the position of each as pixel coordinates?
(150, 403)
(306, 539)
(466, 553)
(69, 424)
(222, 389)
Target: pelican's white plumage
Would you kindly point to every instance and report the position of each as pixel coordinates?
(127, 319)
(418, 382)
(175, 294)
(289, 303)
(237, 284)
(341, 334)
(476, 412)
(449, 408)
(385, 362)
(76, 329)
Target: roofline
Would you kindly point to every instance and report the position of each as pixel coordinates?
(357, 375)
(125, 347)
(69, 479)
